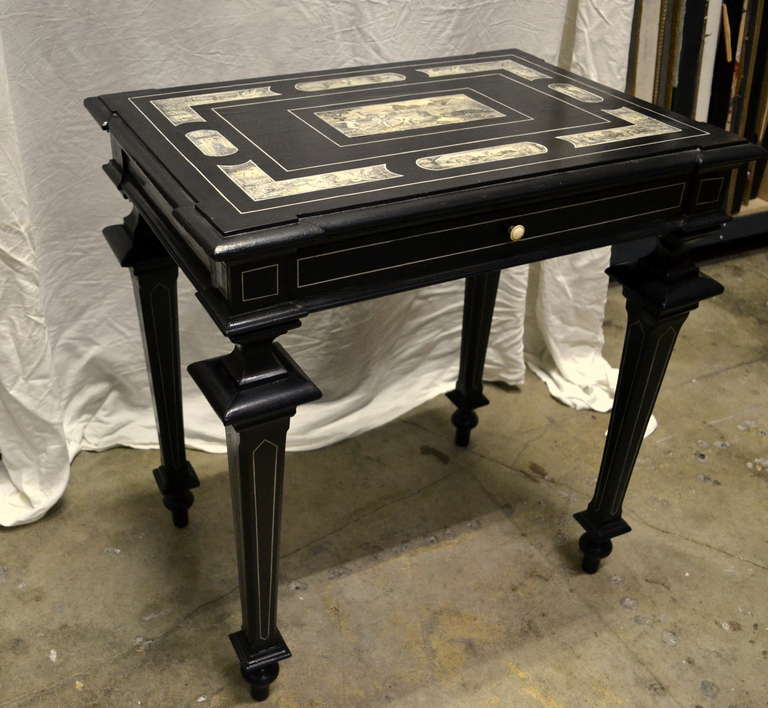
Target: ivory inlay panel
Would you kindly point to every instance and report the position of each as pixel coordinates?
(258, 185)
(480, 156)
(211, 143)
(640, 126)
(398, 116)
(576, 92)
(348, 81)
(524, 72)
(179, 109)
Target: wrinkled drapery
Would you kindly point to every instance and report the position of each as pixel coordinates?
(72, 374)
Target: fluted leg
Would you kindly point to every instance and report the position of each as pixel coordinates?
(661, 290)
(479, 299)
(154, 281)
(255, 391)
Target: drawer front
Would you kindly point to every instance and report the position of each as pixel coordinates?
(484, 238)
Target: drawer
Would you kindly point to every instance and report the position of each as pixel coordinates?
(483, 238)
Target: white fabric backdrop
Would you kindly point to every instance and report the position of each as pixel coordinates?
(72, 374)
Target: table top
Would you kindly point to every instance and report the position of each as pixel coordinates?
(258, 153)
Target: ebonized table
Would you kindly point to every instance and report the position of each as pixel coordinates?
(286, 195)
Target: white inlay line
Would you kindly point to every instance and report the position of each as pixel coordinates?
(264, 631)
(276, 266)
(721, 180)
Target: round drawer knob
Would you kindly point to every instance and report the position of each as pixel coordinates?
(516, 232)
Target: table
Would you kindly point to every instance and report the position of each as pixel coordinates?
(285, 195)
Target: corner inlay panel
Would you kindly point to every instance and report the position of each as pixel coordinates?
(480, 156)
(179, 109)
(412, 114)
(640, 126)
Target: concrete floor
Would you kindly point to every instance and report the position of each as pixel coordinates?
(418, 574)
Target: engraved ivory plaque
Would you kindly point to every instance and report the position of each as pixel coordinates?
(429, 112)
(479, 156)
(576, 92)
(512, 67)
(258, 185)
(211, 143)
(348, 81)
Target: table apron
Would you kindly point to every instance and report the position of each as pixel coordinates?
(486, 239)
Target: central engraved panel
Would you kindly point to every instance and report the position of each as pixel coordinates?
(412, 114)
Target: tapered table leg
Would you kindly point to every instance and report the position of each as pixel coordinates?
(479, 299)
(661, 290)
(154, 281)
(255, 391)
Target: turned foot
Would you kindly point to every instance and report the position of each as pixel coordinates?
(175, 490)
(178, 504)
(260, 679)
(594, 550)
(464, 420)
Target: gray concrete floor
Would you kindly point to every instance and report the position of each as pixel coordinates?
(418, 574)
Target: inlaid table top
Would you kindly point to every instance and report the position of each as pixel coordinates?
(264, 152)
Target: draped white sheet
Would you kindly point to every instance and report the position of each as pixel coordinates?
(72, 375)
